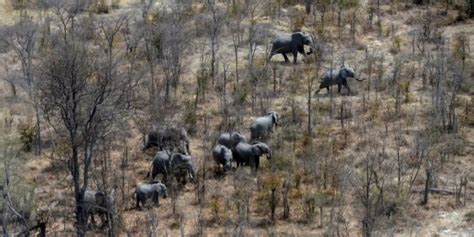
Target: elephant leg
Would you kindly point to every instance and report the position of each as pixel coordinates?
(187, 149)
(286, 57)
(257, 163)
(138, 204)
(348, 88)
(327, 88)
(93, 223)
(271, 55)
(295, 56)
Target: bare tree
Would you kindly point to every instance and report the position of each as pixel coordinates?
(214, 24)
(22, 39)
(173, 44)
(82, 97)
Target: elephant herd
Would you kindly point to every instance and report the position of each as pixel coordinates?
(174, 160)
(233, 147)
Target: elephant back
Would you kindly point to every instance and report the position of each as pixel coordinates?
(224, 139)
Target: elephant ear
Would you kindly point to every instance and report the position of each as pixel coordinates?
(343, 72)
(99, 198)
(256, 150)
(275, 117)
(260, 148)
(297, 38)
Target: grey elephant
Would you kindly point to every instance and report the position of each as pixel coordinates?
(222, 156)
(169, 138)
(152, 190)
(230, 139)
(263, 125)
(177, 164)
(337, 77)
(98, 203)
(249, 154)
(291, 43)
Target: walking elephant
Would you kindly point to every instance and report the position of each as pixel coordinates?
(263, 125)
(249, 154)
(172, 138)
(229, 140)
(337, 77)
(97, 202)
(222, 156)
(177, 164)
(152, 190)
(291, 43)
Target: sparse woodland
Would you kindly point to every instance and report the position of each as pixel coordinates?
(94, 93)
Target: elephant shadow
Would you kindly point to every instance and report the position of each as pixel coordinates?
(335, 93)
(285, 64)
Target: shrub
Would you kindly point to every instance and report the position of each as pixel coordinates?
(396, 44)
(27, 133)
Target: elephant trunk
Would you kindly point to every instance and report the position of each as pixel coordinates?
(310, 51)
(357, 79)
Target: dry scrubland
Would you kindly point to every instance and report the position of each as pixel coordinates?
(344, 165)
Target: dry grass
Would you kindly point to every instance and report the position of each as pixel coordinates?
(220, 211)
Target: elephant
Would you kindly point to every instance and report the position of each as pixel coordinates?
(97, 202)
(151, 190)
(222, 156)
(249, 154)
(169, 138)
(264, 124)
(291, 43)
(177, 164)
(229, 140)
(337, 77)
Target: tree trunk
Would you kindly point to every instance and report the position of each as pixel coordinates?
(470, 8)
(427, 187)
(286, 203)
(273, 203)
(307, 4)
(38, 131)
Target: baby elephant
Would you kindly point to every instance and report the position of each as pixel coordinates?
(222, 156)
(151, 190)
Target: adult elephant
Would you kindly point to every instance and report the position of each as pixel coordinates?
(222, 156)
(337, 77)
(172, 138)
(98, 203)
(263, 125)
(249, 154)
(291, 43)
(152, 190)
(177, 164)
(230, 139)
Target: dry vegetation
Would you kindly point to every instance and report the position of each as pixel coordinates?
(394, 157)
